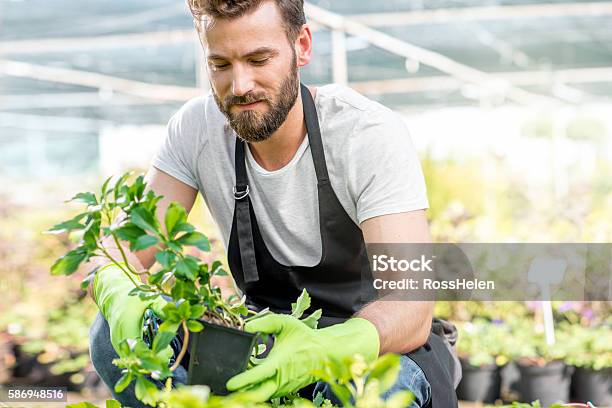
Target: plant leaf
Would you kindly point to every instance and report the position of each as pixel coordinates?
(136, 190)
(183, 227)
(86, 198)
(312, 321)
(178, 290)
(184, 310)
(129, 232)
(69, 263)
(342, 393)
(120, 183)
(197, 311)
(104, 189)
(169, 326)
(175, 214)
(123, 382)
(144, 242)
(217, 269)
(174, 246)
(146, 391)
(221, 272)
(113, 404)
(162, 340)
(194, 326)
(187, 268)
(67, 226)
(155, 278)
(165, 258)
(318, 399)
(144, 219)
(196, 239)
(301, 305)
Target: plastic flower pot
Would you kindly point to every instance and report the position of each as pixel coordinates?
(216, 354)
(549, 383)
(479, 383)
(593, 386)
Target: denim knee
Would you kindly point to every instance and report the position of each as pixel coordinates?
(411, 378)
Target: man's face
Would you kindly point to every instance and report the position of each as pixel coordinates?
(253, 72)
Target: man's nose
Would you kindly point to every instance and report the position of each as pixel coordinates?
(242, 82)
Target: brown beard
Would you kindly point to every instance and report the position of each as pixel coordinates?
(253, 126)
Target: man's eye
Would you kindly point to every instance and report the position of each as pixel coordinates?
(259, 61)
(220, 66)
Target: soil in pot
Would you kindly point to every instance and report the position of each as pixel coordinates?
(479, 383)
(549, 383)
(593, 386)
(216, 354)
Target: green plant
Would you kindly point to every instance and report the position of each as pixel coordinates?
(125, 213)
(482, 342)
(530, 347)
(357, 384)
(588, 347)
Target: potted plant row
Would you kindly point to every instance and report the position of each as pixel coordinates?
(580, 361)
(544, 375)
(590, 352)
(482, 353)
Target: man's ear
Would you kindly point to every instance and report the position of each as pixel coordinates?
(303, 46)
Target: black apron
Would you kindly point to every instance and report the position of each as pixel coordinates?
(334, 284)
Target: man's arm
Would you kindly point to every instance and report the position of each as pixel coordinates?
(402, 326)
(172, 190)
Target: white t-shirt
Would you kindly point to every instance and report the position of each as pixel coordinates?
(371, 161)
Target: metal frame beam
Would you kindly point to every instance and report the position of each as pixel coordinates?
(463, 14)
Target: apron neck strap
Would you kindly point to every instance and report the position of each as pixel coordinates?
(242, 182)
(314, 135)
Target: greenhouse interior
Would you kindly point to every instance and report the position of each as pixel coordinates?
(507, 104)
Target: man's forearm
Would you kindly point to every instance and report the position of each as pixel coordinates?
(402, 326)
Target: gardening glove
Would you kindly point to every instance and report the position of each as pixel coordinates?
(298, 350)
(124, 313)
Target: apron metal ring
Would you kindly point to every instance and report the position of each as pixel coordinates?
(239, 195)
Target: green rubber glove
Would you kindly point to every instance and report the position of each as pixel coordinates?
(124, 313)
(298, 350)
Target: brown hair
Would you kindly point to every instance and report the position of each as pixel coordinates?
(292, 12)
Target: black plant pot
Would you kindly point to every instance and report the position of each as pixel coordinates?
(217, 353)
(479, 383)
(593, 386)
(549, 383)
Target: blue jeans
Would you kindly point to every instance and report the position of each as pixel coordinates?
(411, 377)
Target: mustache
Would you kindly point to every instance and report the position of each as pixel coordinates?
(245, 99)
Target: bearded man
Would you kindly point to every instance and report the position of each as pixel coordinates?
(298, 179)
